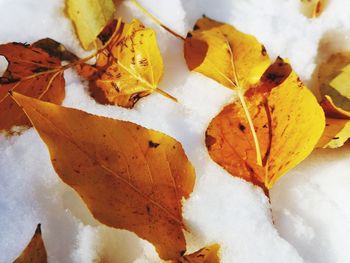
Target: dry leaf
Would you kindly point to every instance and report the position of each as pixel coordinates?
(89, 18)
(334, 88)
(30, 71)
(219, 51)
(327, 76)
(337, 130)
(313, 8)
(207, 254)
(288, 122)
(35, 252)
(130, 177)
(130, 67)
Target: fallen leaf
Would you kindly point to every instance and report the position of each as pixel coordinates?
(89, 18)
(288, 122)
(232, 58)
(130, 67)
(207, 254)
(337, 130)
(328, 75)
(35, 252)
(129, 177)
(221, 52)
(33, 72)
(313, 8)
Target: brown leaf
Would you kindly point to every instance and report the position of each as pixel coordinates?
(130, 177)
(288, 122)
(35, 252)
(33, 72)
(207, 254)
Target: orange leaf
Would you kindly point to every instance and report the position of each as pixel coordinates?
(35, 251)
(288, 122)
(129, 177)
(33, 72)
(207, 254)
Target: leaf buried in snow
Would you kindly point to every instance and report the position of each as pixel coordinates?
(129, 177)
(207, 254)
(337, 130)
(221, 52)
(35, 251)
(89, 18)
(313, 8)
(329, 73)
(130, 68)
(288, 122)
(33, 72)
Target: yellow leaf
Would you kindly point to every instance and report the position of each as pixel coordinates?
(207, 254)
(130, 68)
(35, 252)
(328, 79)
(288, 122)
(312, 8)
(221, 52)
(337, 130)
(89, 18)
(336, 133)
(129, 177)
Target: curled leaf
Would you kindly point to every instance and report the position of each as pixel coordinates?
(207, 254)
(89, 18)
(221, 52)
(129, 177)
(313, 8)
(130, 67)
(33, 72)
(329, 73)
(35, 251)
(288, 122)
(337, 130)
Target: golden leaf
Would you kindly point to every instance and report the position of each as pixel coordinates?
(207, 254)
(33, 72)
(89, 18)
(221, 52)
(288, 122)
(130, 67)
(35, 252)
(337, 130)
(129, 177)
(327, 76)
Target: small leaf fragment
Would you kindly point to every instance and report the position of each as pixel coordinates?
(207, 254)
(129, 177)
(337, 130)
(89, 18)
(35, 251)
(221, 52)
(130, 68)
(328, 85)
(288, 122)
(313, 8)
(33, 72)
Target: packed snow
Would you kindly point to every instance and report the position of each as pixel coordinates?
(309, 216)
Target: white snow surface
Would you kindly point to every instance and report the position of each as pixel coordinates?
(310, 205)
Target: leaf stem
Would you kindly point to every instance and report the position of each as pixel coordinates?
(165, 94)
(251, 126)
(156, 20)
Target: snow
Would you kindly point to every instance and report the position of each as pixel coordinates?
(310, 205)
